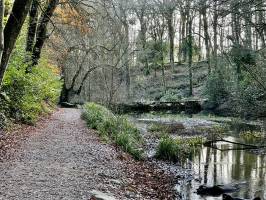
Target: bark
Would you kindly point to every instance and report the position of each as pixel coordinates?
(182, 50)
(2, 12)
(206, 36)
(42, 31)
(261, 22)
(11, 31)
(33, 21)
(215, 33)
(126, 57)
(248, 20)
(236, 26)
(190, 55)
(64, 96)
(256, 34)
(180, 42)
(222, 33)
(236, 30)
(171, 35)
(199, 44)
(143, 32)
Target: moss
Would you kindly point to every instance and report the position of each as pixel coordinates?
(115, 128)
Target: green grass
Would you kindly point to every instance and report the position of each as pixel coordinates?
(157, 128)
(253, 136)
(178, 149)
(115, 128)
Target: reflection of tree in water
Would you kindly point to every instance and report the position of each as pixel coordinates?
(215, 167)
(229, 167)
(206, 165)
(236, 163)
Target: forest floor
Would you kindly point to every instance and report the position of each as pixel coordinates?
(60, 158)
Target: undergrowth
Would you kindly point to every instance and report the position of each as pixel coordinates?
(116, 128)
(26, 96)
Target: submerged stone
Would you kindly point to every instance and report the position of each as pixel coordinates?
(215, 190)
(98, 195)
(228, 197)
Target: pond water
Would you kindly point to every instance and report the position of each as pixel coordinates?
(219, 165)
(231, 167)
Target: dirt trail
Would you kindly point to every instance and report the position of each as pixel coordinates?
(62, 159)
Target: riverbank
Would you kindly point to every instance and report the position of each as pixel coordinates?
(61, 158)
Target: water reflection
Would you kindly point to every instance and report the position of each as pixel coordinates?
(213, 167)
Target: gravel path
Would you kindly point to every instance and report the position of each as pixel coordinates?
(62, 159)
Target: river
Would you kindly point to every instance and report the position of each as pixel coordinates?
(211, 166)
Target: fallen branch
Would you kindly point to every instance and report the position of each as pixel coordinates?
(246, 146)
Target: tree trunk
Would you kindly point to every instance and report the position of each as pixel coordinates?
(261, 22)
(64, 96)
(190, 55)
(42, 31)
(236, 28)
(33, 21)
(11, 31)
(199, 44)
(171, 35)
(143, 32)
(2, 12)
(126, 61)
(180, 41)
(248, 21)
(222, 37)
(183, 37)
(215, 33)
(206, 36)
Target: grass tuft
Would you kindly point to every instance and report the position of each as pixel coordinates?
(115, 128)
(178, 149)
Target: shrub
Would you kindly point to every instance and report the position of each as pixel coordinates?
(216, 89)
(116, 128)
(29, 95)
(170, 96)
(26, 96)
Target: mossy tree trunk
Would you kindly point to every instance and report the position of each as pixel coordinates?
(190, 55)
(11, 31)
(2, 12)
(171, 35)
(42, 31)
(206, 35)
(33, 22)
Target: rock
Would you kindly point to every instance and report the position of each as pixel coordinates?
(215, 190)
(131, 195)
(116, 182)
(3, 121)
(68, 105)
(98, 195)
(228, 197)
